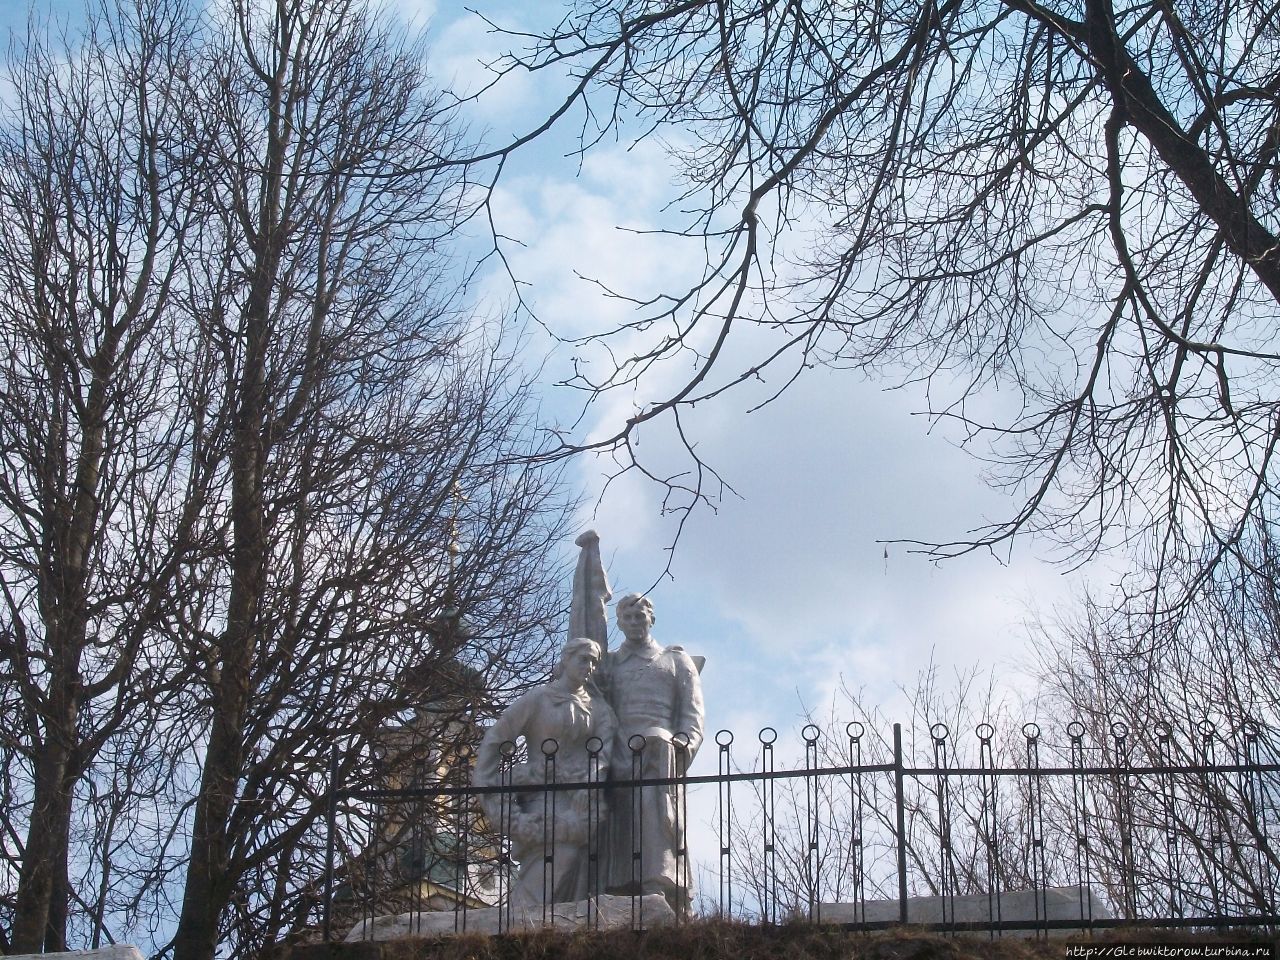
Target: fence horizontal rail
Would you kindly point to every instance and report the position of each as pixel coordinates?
(1110, 771)
(1140, 836)
(1097, 923)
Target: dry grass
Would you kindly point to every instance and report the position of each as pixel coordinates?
(723, 940)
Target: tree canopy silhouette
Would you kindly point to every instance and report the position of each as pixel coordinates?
(1071, 198)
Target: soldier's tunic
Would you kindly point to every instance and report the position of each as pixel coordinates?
(655, 693)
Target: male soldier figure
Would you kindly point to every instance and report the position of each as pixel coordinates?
(657, 695)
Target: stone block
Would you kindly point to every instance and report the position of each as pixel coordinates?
(650, 911)
(117, 951)
(1058, 904)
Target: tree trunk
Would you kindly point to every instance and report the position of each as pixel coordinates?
(64, 605)
(35, 922)
(207, 888)
(204, 895)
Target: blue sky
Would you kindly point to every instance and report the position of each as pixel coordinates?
(786, 588)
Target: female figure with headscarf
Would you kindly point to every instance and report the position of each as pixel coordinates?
(568, 730)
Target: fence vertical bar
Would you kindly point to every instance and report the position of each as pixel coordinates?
(331, 826)
(989, 821)
(900, 820)
(684, 869)
(417, 844)
(595, 815)
(1120, 734)
(939, 732)
(813, 864)
(636, 745)
(1080, 814)
(1217, 872)
(506, 818)
(1164, 759)
(769, 909)
(1035, 802)
(1255, 801)
(371, 873)
(550, 747)
(855, 731)
(448, 837)
(466, 801)
(724, 821)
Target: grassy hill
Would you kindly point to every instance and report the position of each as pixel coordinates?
(722, 940)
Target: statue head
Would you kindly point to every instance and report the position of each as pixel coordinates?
(578, 660)
(635, 616)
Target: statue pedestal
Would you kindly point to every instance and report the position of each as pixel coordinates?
(1061, 905)
(118, 951)
(605, 913)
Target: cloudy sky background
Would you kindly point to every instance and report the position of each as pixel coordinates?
(785, 588)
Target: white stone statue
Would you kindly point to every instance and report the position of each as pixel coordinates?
(589, 612)
(568, 713)
(656, 694)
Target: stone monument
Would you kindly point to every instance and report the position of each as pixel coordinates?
(641, 713)
(631, 713)
(656, 693)
(569, 733)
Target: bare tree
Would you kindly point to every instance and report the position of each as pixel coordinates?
(1202, 691)
(266, 480)
(367, 427)
(94, 499)
(1075, 200)
(834, 837)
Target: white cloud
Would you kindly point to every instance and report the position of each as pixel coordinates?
(416, 14)
(786, 591)
(464, 50)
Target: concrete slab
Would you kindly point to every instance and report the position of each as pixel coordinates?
(650, 911)
(1053, 903)
(117, 951)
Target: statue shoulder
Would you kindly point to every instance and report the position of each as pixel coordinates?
(677, 653)
(510, 723)
(529, 700)
(683, 661)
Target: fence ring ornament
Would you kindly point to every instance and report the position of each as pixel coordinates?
(768, 736)
(1119, 729)
(594, 746)
(855, 730)
(465, 751)
(508, 749)
(1164, 732)
(939, 732)
(724, 737)
(1031, 731)
(1075, 730)
(550, 747)
(1206, 728)
(680, 739)
(811, 733)
(985, 732)
(636, 742)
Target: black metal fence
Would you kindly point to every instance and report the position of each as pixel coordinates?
(1154, 826)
